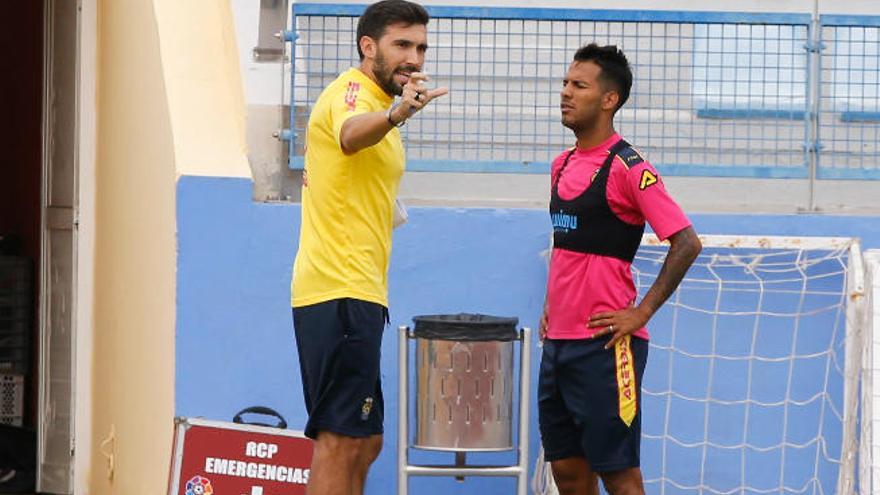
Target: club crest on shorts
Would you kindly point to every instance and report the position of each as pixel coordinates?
(366, 408)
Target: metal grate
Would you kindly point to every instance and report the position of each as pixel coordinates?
(849, 115)
(11, 399)
(715, 94)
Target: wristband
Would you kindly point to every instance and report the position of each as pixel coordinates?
(390, 120)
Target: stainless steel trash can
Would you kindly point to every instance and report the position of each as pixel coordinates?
(464, 382)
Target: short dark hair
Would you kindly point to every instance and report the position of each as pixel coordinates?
(382, 14)
(615, 67)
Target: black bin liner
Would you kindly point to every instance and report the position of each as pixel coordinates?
(466, 327)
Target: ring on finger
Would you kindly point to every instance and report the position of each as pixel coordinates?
(610, 328)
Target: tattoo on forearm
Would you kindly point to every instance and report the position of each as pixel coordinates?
(682, 254)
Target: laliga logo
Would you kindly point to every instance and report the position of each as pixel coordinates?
(199, 486)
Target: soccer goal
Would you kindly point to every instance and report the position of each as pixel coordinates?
(753, 375)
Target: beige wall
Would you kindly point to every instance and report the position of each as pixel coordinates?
(205, 92)
(134, 254)
(169, 103)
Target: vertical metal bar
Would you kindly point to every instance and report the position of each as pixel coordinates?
(814, 34)
(868, 479)
(402, 410)
(855, 299)
(460, 462)
(181, 426)
(525, 371)
(291, 144)
(48, 137)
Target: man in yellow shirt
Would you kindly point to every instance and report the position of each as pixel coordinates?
(339, 293)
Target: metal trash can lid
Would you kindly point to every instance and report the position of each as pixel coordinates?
(465, 327)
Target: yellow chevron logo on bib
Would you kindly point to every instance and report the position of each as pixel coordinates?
(626, 380)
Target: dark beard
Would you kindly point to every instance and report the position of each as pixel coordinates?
(385, 76)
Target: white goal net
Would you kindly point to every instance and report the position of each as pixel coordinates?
(753, 375)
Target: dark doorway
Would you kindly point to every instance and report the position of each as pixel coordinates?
(21, 90)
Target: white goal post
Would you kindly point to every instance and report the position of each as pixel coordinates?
(869, 444)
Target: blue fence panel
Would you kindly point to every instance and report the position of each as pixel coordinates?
(504, 67)
(849, 115)
(715, 94)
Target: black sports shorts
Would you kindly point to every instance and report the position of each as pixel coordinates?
(339, 344)
(589, 401)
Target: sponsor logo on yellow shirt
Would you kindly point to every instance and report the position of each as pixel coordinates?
(351, 96)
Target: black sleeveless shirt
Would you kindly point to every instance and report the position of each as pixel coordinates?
(586, 224)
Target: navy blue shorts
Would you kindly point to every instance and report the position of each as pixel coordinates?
(589, 401)
(339, 344)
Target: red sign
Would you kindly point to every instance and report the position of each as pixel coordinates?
(216, 458)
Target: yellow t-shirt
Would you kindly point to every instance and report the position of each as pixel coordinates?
(347, 200)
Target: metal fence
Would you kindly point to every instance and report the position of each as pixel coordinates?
(715, 94)
(849, 100)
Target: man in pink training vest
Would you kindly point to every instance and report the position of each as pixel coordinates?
(595, 341)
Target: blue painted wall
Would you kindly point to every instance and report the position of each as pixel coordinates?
(235, 344)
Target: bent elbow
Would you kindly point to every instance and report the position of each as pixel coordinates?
(348, 139)
(687, 244)
(346, 145)
(696, 248)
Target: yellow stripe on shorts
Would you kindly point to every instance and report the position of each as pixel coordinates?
(626, 380)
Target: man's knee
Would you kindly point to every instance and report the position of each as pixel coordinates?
(574, 476)
(570, 485)
(339, 447)
(624, 482)
(370, 449)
